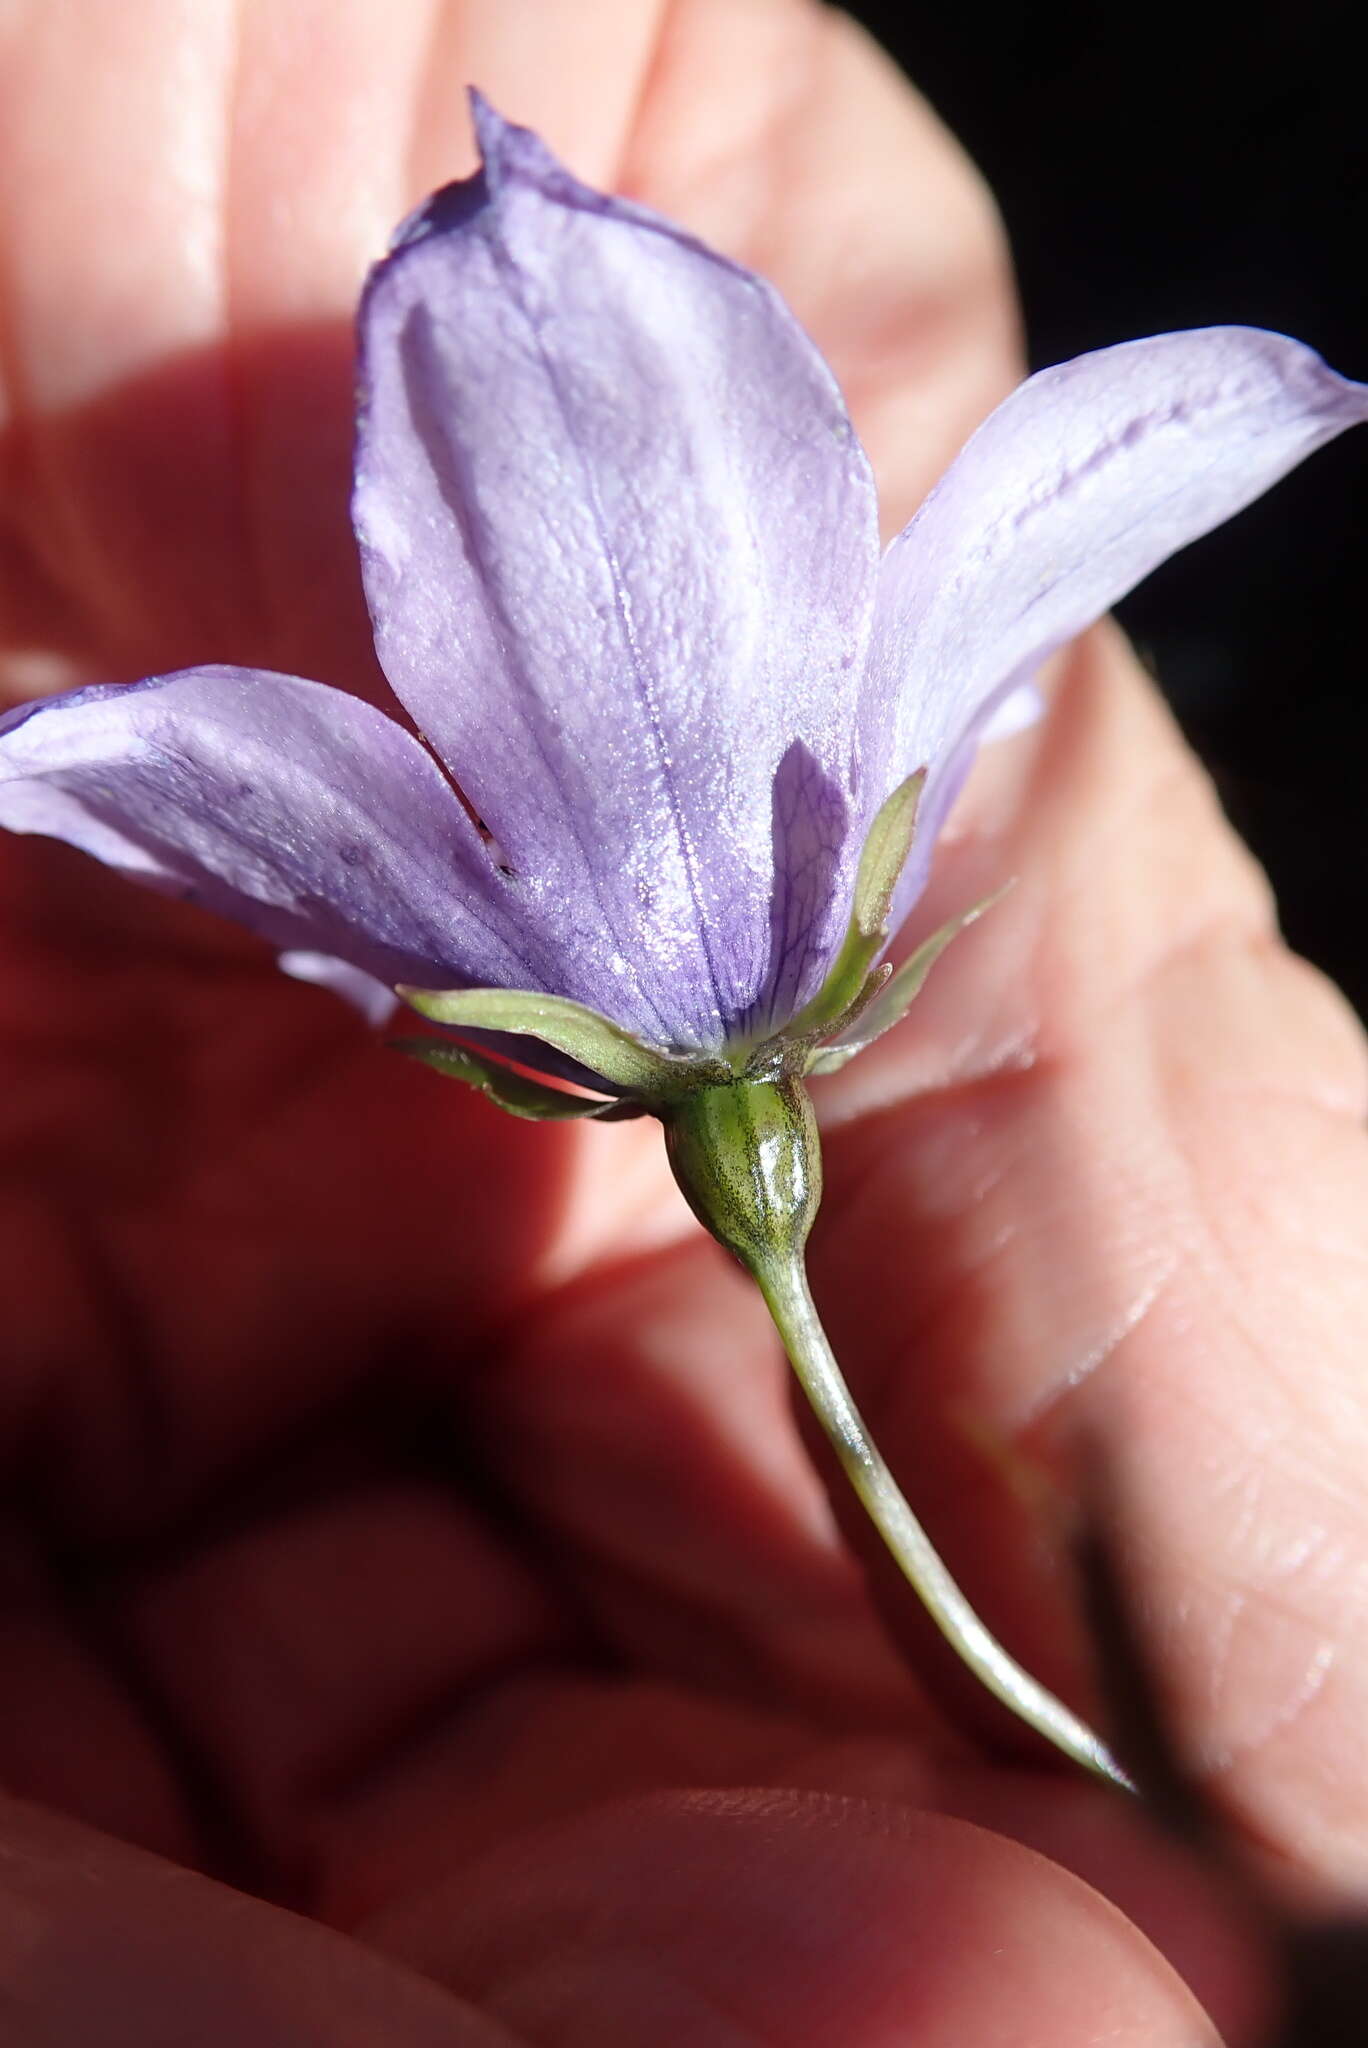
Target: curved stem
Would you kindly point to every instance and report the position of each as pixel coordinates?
(783, 1282)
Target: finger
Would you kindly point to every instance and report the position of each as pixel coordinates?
(192, 1151)
(641, 1421)
(935, 291)
(105, 1944)
(762, 1916)
(179, 282)
(209, 380)
(642, 1424)
(895, 262)
(1119, 1152)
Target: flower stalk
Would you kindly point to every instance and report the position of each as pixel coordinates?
(748, 1159)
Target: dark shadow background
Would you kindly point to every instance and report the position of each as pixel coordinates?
(1158, 169)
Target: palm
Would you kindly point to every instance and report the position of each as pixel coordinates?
(395, 1482)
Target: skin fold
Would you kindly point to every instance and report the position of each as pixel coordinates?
(405, 1521)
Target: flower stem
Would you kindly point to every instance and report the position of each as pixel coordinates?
(783, 1282)
(748, 1158)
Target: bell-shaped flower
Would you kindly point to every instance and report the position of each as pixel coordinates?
(686, 741)
(619, 544)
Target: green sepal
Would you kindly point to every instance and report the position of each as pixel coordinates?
(892, 1002)
(582, 1034)
(846, 989)
(514, 1092)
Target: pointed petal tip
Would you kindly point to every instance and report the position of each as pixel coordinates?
(685, 405)
(493, 134)
(508, 155)
(450, 206)
(1087, 477)
(509, 152)
(1233, 356)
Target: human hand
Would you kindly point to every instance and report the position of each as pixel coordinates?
(407, 1523)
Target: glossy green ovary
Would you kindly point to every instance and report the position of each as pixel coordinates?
(747, 1157)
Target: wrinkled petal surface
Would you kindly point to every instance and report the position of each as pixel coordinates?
(1081, 483)
(619, 543)
(297, 810)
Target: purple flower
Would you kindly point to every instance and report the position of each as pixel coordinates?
(619, 546)
(687, 740)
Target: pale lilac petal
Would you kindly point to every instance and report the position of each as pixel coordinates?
(297, 810)
(375, 1002)
(1081, 483)
(1018, 712)
(619, 547)
(810, 840)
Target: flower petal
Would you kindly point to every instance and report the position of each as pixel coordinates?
(1085, 479)
(1017, 712)
(373, 999)
(882, 860)
(619, 547)
(297, 810)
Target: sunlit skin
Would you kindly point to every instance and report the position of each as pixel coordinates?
(405, 1516)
